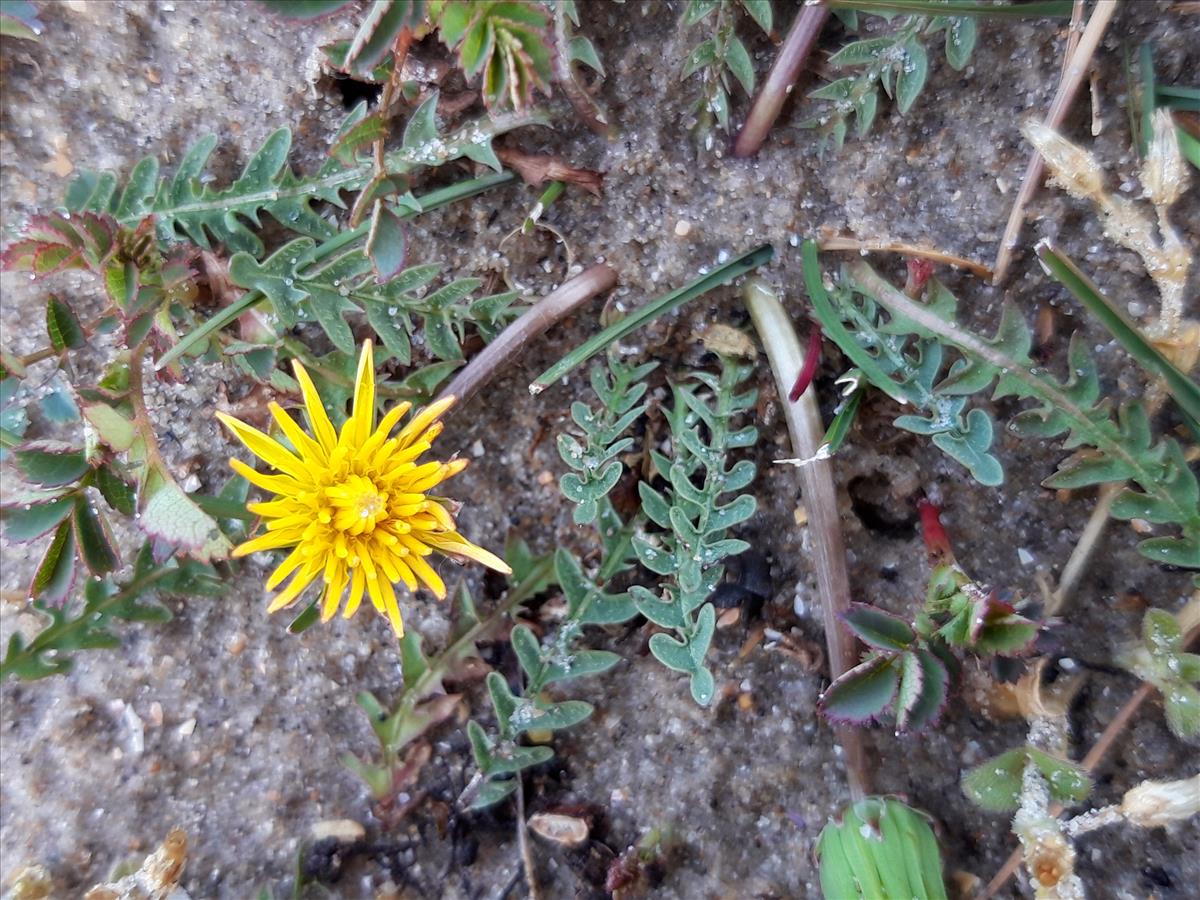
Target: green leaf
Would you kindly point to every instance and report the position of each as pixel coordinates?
(918, 711)
(492, 793)
(582, 50)
(31, 521)
(1068, 782)
(172, 516)
(996, 784)
(305, 9)
(760, 12)
(737, 58)
(94, 538)
(877, 628)
(51, 464)
(960, 42)
(861, 694)
(56, 572)
(1181, 703)
(113, 428)
(911, 74)
(63, 326)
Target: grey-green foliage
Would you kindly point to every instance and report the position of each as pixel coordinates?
(347, 283)
(905, 361)
(721, 54)
(186, 207)
(1160, 660)
(558, 657)
(619, 387)
(696, 517)
(899, 62)
(1106, 447)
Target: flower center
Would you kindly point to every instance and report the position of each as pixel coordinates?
(357, 504)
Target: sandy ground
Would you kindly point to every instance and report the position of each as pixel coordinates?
(223, 724)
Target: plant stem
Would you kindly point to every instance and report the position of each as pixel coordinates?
(437, 668)
(431, 201)
(1040, 388)
(1094, 757)
(1079, 557)
(511, 342)
(51, 636)
(1067, 88)
(984, 9)
(779, 339)
(801, 39)
(652, 310)
(959, 262)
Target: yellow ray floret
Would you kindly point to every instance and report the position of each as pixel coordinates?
(352, 506)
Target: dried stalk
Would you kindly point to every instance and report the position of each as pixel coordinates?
(938, 256)
(1067, 89)
(512, 341)
(801, 39)
(820, 497)
(1083, 549)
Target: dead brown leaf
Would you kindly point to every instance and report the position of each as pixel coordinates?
(536, 169)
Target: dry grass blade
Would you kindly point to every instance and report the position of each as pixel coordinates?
(820, 496)
(937, 256)
(1068, 87)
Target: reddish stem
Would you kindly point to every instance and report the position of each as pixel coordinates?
(775, 90)
(919, 272)
(812, 357)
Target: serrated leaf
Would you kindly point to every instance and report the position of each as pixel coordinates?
(51, 464)
(877, 628)
(917, 714)
(172, 516)
(56, 572)
(94, 539)
(31, 521)
(861, 694)
(63, 326)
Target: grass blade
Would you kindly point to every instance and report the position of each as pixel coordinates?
(723, 274)
(1184, 390)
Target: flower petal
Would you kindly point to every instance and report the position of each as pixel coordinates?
(265, 448)
(363, 414)
(318, 419)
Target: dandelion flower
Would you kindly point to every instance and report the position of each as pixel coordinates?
(353, 505)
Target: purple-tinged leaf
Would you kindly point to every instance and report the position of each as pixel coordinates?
(51, 462)
(95, 540)
(26, 523)
(1003, 631)
(929, 701)
(56, 573)
(62, 325)
(862, 694)
(116, 491)
(877, 628)
(386, 243)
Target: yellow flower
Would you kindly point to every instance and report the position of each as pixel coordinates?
(353, 505)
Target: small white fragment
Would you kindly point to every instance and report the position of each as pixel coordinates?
(1024, 556)
(346, 831)
(186, 729)
(570, 831)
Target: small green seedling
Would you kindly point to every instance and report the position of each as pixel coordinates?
(880, 850)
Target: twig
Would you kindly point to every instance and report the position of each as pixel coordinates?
(539, 317)
(820, 496)
(801, 38)
(1093, 759)
(1067, 88)
(1083, 550)
(523, 842)
(938, 256)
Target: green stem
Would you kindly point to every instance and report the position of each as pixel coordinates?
(723, 274)
(1042, 389)
(438, 667)
(52, 637)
